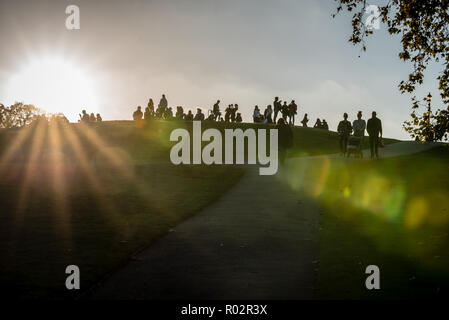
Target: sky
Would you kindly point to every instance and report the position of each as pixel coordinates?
(197, 51)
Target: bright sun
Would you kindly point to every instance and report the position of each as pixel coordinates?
(54, 85)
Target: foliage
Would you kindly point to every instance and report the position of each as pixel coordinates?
(423, 26)
(19, 115)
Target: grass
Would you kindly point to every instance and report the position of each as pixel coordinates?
(93, 196)
(393, 213)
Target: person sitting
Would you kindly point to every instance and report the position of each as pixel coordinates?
(148, 115)
(344, 130)
(84, 117)
(137, 115)
(189, 116)
(238, 118)
(168, 114)
(304, 121)
(268, 114)
(318, 124)
(179, 113)
(199, 116)
(256, 115)
(99, 118)
(324, 125)
(92, 118)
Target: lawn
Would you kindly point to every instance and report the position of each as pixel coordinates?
(393, 213)
(93, 196)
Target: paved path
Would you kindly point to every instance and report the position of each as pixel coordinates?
(258, 241)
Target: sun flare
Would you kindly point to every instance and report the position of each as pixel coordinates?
(54, 84)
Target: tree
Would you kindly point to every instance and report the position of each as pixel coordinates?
(423, 26)
(18, 115)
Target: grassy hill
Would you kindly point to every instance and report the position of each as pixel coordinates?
(94, 195)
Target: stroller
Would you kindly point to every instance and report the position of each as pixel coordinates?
(355, 147)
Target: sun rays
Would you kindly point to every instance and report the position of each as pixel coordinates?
(57, 156)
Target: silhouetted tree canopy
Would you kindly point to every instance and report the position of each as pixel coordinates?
(423, 27)
(18, 115)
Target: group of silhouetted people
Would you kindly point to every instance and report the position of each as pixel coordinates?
(92, 118)
(358, 127)
(285, 112)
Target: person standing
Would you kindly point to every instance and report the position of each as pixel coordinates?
(276, 107)
(359, 125)
(344, 129)
(293, 108)
(374, 128)
(163, 104)
(285, 111)
(304, 121)
(216, 110)
(234, 112)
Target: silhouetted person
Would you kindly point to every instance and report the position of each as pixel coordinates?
(324, 125)
(189, 116)
(292, 110)
(256, 115)
(344, 130)
(99, 118)
(84, 117)
(163, 103)
(216, 110)
(304, 121)
(228, 112)
(199, 116)
(374, 128)
(168, 114)
(276, 107)
(179, 113)
(285, 111)
(268, 114)
(137, 115)
(359, 125)
(318, 124)
(148, 114)
(151, 105)
(285, 139)
(238, 117)
(234, 112)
